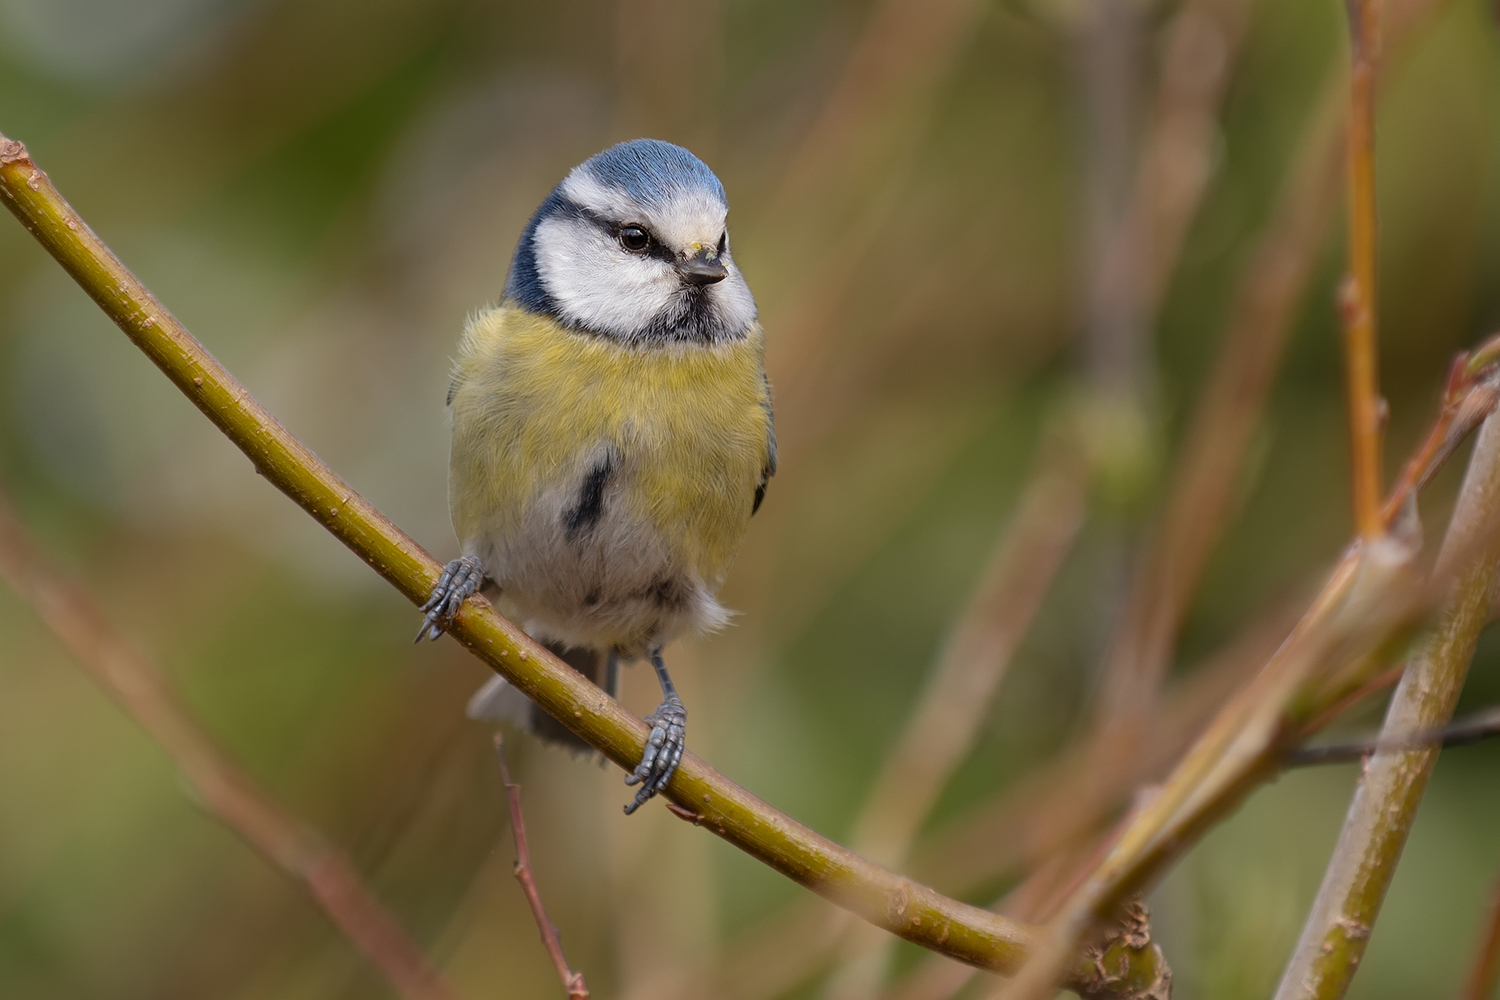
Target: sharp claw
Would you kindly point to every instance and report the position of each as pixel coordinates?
(663, 752)
(460, 578)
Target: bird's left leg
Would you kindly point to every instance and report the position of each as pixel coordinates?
(461, 577)
(665, 744)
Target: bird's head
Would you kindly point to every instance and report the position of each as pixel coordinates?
(632, 245)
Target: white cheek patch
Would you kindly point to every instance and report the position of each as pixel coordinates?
(735, 303)
(596, 284)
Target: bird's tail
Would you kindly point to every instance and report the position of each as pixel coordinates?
(499, 702)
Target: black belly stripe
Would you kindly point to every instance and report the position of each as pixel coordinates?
(589, 507)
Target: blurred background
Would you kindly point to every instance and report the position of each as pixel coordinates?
(980, 232)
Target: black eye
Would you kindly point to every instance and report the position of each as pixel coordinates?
(634, 238)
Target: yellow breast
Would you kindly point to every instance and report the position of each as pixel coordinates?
(533, 401)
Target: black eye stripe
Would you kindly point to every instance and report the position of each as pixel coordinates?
(655, 248)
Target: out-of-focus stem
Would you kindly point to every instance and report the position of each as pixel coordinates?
(1197, 62)
(1485, 972)
(1108, 53)
(1380, 817)
(962, 687)
(219, 784)
(1201, 489)
(933, 979)
(899, 905)
(1358, 302)
(572, 981)
(1062, 802)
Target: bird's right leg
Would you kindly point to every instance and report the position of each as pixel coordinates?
(461, 577)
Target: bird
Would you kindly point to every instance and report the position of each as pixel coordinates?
(612, 434)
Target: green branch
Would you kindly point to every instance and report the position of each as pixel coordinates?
(897, 904)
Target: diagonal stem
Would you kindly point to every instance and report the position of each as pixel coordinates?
(218, 783)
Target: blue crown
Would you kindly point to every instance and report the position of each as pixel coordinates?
(652, 171)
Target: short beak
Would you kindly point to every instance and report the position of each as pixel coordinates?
(703, 268)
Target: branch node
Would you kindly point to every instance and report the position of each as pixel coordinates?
(1119, 958)
(13, 151)
(684, 814)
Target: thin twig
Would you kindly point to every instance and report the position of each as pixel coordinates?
(1357, 298)
(219, 784)
(1473, 729)
(1385, 804)
(900, 905)
(1483, 974)
(572, 981)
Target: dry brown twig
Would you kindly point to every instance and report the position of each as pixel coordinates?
(220, 785)
(1485, 970)
(572, 981)
(1357, 297)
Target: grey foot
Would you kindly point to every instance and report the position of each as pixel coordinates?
(461, 577)
(663, 751)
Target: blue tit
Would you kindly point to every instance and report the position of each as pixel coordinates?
(612, 432)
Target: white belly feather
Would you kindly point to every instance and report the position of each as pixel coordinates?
(613, 582)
